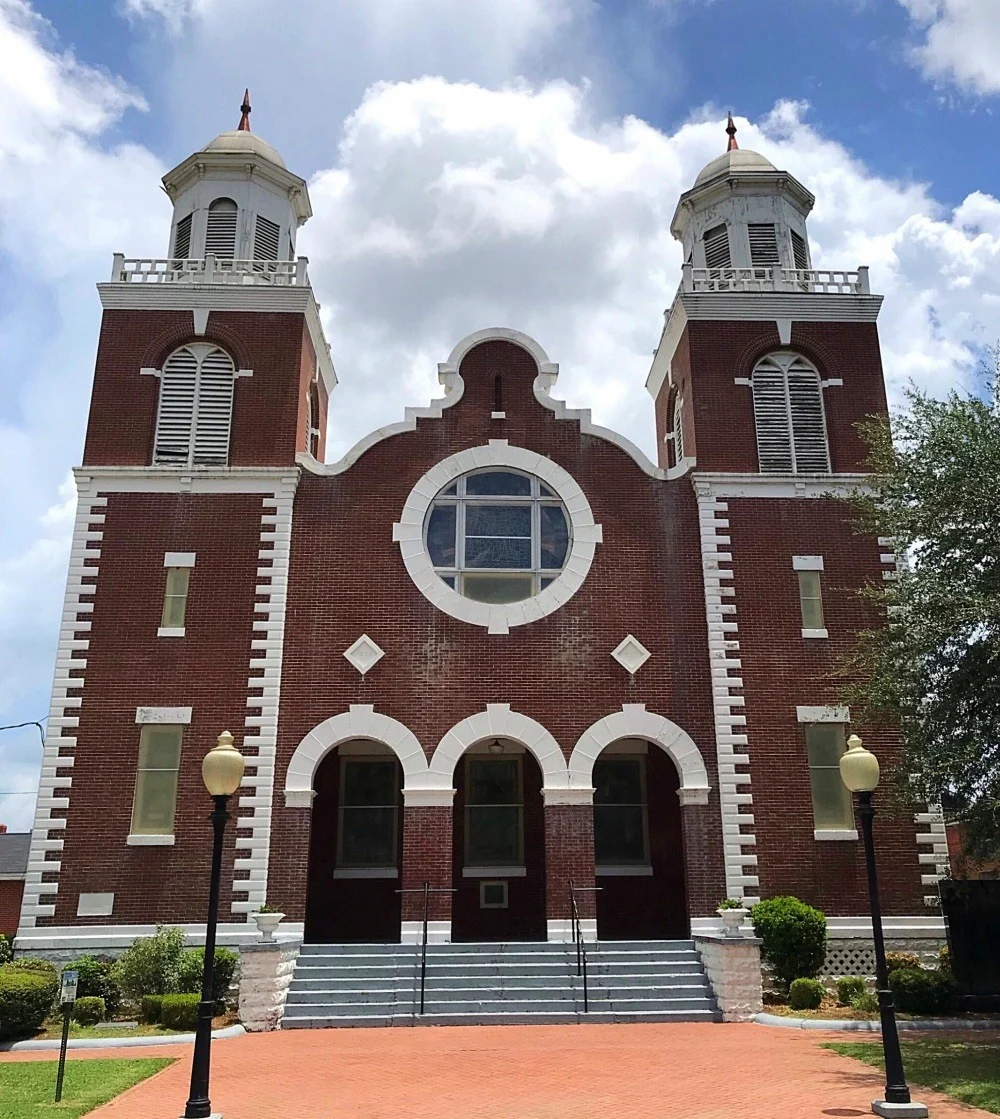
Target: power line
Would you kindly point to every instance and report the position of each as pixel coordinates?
(29, 723)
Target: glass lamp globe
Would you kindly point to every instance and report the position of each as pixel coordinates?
(859, 767)
(222, 767)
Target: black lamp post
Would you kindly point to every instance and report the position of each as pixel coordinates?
(222, 771)
(860, 773)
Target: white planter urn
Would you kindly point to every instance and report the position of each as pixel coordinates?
(267, 923)
(732, 920)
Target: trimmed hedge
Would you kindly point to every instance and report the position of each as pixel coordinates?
(794, 936)
(30, 965)
(180, 1012)
(89, 1010)
(150, 1008)
(901, 961)
(193, 963)
(97, 981)
(848, 988)
(922, 991)
(25, 1000)
(805, 994)
(6, 951)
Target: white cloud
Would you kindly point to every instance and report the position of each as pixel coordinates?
(961, 42)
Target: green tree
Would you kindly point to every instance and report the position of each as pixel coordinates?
(933, 668)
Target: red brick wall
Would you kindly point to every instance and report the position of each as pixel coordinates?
(427, 857)
(128, 666)
(10, 906)
(782, 670)
(712, 353)
(267, 428)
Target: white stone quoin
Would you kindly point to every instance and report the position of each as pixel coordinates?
(732, 965)
(265, 974)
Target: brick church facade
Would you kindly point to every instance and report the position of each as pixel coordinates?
(494, 649)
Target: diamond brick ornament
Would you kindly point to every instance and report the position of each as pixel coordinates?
(364, 654)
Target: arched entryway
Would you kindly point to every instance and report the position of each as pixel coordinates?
(638, 844)
(498, 852)
(356, 846)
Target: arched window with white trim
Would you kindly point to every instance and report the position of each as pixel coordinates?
(789, 416)
(220, 231)
(195, 413)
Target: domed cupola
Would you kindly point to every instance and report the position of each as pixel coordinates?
(236, 199)
(742, 212)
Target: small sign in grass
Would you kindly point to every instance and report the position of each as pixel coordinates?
(966, 1070)
(27, 1087)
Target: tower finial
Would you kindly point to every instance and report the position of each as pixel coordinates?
(730, 130)
(244, 125)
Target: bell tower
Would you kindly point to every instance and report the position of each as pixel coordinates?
(765, 366)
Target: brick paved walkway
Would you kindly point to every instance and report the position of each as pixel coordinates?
(695, 1071)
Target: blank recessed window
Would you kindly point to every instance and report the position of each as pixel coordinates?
(156, 780)
(369, 810)
(811, 599)
(494, 812)
(620, 823)
(832, 808)
(175, 597)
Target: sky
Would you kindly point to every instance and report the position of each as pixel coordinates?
(498, 163)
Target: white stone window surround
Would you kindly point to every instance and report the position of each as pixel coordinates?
(170, 716)
(823, 714)
(175, 559)
(810, 563)
(585, 535)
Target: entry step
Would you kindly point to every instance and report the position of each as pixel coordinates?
(339, 985)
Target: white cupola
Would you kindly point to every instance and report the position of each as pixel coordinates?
(742, 212)
(236, 199)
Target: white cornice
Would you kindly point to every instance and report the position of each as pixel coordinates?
(290, 299)
(753, 306)
(167, 479)
(777, 485)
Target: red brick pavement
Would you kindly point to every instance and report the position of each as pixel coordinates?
(694, 1071)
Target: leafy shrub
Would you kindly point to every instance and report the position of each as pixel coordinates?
(901, 961)
(921, 991)
(149, 966)
(193, 963)
(848, 988)
(25, 1001)
(6, 951)
(794, 936)
(774, 998)
(180, 1012)
(865, 1000)
(731, 903)
(31, 966)
(805, 994)
(944, 960)
(89, 1010)
(150, 1008)
(97, 980)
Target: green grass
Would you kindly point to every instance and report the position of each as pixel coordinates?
(28, 1088)
(966, 1070)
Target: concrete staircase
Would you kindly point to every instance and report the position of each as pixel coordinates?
(492, 984)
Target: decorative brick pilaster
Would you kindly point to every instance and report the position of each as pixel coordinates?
(732, 965)
(427, 843)
(704, 874)
(569, 854)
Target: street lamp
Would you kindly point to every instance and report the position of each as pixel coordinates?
(222, 772)
(860, 773)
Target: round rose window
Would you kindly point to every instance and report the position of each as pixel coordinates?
(497, 536)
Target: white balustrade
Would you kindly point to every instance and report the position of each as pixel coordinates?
(773, 279)
(210, 270)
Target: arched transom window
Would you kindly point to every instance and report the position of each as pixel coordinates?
(789, 416)
(196, 407)
(677, 424)
(497, 536)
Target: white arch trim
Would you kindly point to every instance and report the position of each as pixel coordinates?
(498, 721)
(498, 334)
(409, 534)
(361, 721)
(634, 721)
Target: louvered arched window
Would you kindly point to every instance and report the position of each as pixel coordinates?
(220, 233)
(196, 407)
(788, 413)
(677, 421)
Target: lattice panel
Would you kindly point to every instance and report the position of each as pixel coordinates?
(849, 957)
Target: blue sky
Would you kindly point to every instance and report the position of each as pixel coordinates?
(510, 162)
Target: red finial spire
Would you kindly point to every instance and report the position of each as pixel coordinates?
(244, 125)
(730, 129)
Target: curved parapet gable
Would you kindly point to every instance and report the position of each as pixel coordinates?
(450, 377)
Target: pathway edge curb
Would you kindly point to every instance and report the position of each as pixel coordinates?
(870, 1026)
(118, 1042)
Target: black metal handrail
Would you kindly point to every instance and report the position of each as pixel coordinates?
(581, 947)
(426, 889)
